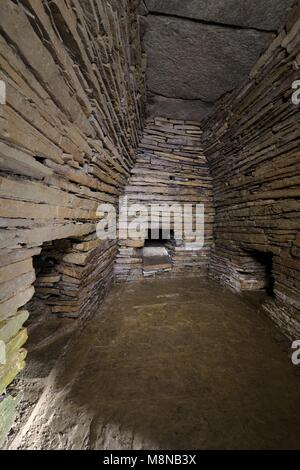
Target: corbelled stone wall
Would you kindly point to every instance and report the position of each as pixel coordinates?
(170, 169)
(252, 146)
(74, 75)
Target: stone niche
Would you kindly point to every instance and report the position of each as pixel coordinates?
(69, 273)
(159, 254)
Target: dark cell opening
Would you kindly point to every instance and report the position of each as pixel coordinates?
(51, 255)
(265, 260)
(159, 237)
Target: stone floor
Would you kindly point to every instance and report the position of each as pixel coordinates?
(170, 364)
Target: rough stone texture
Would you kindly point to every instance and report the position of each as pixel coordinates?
(266, 15)
(173, 108)
(170, 169)
(142, 9)
(169, 364)
(74, 74)
(71, 274)
(7, 415)
(194, 61)
(252, 146)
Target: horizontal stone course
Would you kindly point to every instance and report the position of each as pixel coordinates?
(74, 74)
(170, 169)
(252, 147)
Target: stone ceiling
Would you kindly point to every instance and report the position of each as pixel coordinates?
(198, 50)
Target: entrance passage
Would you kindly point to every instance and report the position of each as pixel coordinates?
(170, 364)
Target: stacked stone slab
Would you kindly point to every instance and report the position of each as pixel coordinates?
(74, 76)
(170, 169)
(252, 146)
(77, 277)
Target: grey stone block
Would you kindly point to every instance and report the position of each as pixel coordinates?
(194, 61)
(194, 110)
(267, 14)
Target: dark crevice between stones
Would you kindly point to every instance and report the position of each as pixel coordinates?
(145, 6)
(181, 98)
(211, 23)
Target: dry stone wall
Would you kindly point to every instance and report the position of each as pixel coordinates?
(74, 76)
(252, 146)
(170, 169)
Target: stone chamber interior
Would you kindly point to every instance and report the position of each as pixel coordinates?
(143, 343)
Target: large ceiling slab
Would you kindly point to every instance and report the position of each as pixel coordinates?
(259, 14)
(198, 50)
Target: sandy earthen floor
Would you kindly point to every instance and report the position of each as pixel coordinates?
(170, 364)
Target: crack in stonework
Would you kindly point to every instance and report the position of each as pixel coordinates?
(145, 6)
(211, 23)
(183, 99)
